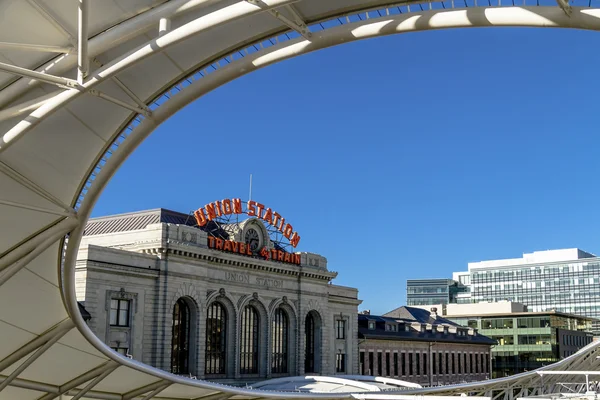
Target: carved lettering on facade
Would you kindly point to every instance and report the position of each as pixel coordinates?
(245, 278)
(275, 283)
(235, 277)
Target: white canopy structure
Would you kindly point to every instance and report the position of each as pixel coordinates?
(83, 82)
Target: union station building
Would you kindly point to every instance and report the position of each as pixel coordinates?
(215, 297)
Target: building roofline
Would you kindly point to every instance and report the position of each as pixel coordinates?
(481, 341)
(582, 255)
(131, 213)
(525, 313)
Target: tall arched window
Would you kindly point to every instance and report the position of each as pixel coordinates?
(180, 342)
(249, 341)
(309, 334)
(280, 335)
(216, 334)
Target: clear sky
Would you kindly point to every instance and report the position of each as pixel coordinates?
(397, 158)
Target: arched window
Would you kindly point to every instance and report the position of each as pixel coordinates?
(309, 334)
(180, 342)
(216, 334)
(249, 341)
(280, 335)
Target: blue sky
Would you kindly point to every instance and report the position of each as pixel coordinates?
(399, 157)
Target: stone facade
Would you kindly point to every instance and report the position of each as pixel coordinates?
(421, 347)
(465, 363)
(153, 267)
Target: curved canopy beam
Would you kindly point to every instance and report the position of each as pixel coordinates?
(58, 150)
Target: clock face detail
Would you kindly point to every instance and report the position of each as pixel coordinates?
(252, 239)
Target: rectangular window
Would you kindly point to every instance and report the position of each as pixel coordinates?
(379, 364)
(410, 363)
(371, 325)
(371, 369)
(340, 362)
(403, 361)
(388, 372)
(418, 366)
(487, 363)
(425, 370)
(121, 350)
(341, 329)
(362, 362)
(472, 369)
(395, 364)
(447, 363)
(119, 312)
(435, 371)
(482, 367)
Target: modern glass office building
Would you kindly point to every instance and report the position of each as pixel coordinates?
(529, 340)
(432, 291)
(566, 280)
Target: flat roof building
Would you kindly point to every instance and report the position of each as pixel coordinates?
(529, 340)
(432, 291)
(565, 280)
(526, 340)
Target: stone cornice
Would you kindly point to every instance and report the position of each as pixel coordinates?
(126, 270)
(215, 257)
(122, 269)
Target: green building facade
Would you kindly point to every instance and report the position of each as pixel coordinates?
(530, 340)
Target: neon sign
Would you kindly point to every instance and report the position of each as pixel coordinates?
(242, 248)
(253, 209)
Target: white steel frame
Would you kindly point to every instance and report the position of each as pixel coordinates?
(31, 113)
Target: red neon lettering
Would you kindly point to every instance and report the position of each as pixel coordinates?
(237, 206)
(227, 246)
(251, 210)
(295, 239)
(242, 248)
(276, 217)
(260, 208)
(297, 259)
(288, 231)
(248, 251)
(268, 216)
(287, 257)
(265, 253)
(227, 207)
(234, 246)
(274, 254)
(219, 245)
(279, 255)
(210, 210)
(211, 242)
(234, 206)
(200, 217)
